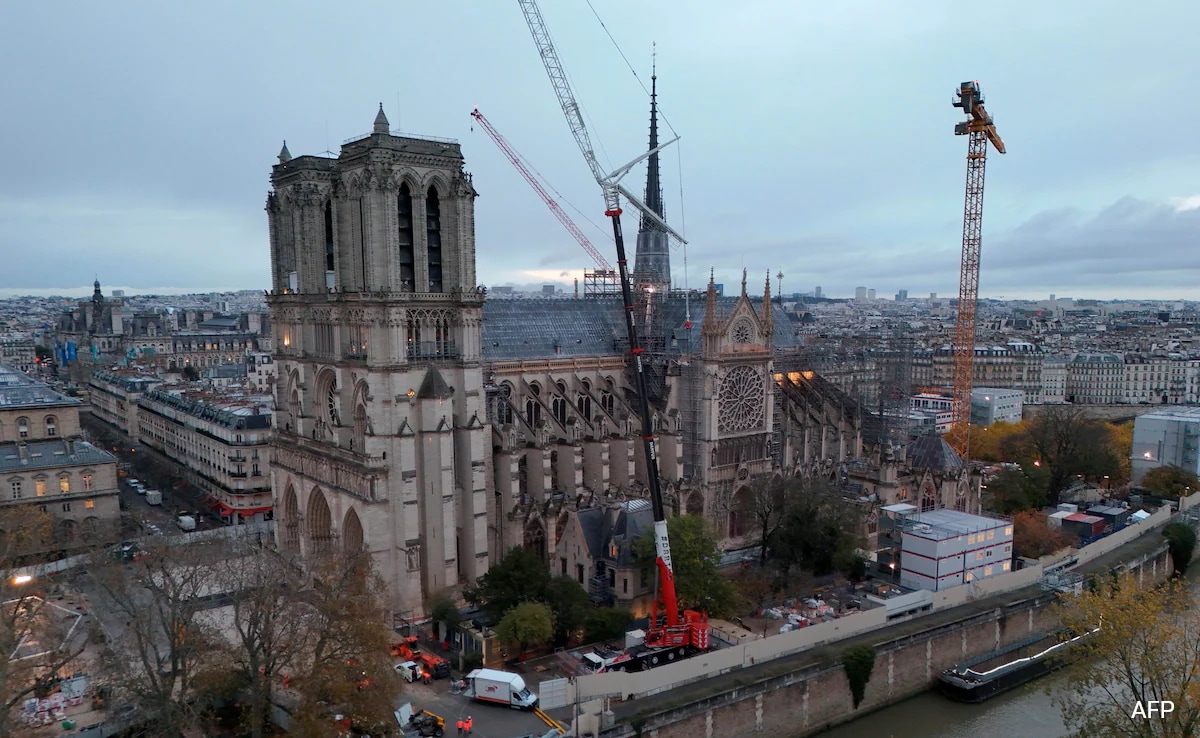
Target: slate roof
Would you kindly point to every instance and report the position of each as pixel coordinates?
(546, 329)
(634, 519)
(50, 455)
(17, 390)
(933, 453)
(434, 386)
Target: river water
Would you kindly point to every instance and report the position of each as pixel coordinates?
(1025, 711)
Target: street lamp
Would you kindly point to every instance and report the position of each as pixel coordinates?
(22, 579)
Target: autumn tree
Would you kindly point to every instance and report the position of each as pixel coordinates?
(528, 624)
(162, 652)
(345, 663)
(998, 442)
(1033, 538)
(24, 616)
(1170, 481)
(694, 558)
(1147, 649)
(270, 624)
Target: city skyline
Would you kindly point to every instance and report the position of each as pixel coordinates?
(151, 163)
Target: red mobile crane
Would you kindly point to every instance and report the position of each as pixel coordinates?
(559, 213)
(673, 636)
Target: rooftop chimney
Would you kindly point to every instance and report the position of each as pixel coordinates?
(23, 452)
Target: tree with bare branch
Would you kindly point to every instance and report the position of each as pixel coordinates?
(271, 625)
(767, 500)
(346, 664)
(162, 652)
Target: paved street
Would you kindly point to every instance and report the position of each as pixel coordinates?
(491, 721)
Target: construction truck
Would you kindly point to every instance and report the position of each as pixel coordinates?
(436, 666)
(500, 688)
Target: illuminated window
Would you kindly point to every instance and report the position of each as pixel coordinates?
(978, 555)
(64, 484)
(970, 539)
(1008, 531)
(1007, 565)
(970, 576)
(87, 482)
(40, 486)
(987, 572)
(991, 534)
(89, 504)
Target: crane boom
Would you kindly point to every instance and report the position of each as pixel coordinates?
(678, 632)
(981, 130)
(566, 98)
(609, 183)
(555, 208)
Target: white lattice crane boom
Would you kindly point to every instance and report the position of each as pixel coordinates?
(609, 183)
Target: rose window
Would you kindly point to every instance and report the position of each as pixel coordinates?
(742, 332)
(741, 400)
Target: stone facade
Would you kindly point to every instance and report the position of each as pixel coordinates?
(381, 440)
(437, 431)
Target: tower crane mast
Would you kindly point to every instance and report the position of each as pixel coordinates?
(679, 635)
(981, 131)
(555, 208)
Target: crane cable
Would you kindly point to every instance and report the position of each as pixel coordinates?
(678, 157)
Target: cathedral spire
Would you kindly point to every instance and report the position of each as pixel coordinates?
(652, 260)
(284, 155)
(768, 316)
(711, 325)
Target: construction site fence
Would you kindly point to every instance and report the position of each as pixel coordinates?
(623, 686)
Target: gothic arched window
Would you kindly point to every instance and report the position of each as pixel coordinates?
(433, 244)
(558, 406)
(404, 219)
(329, 261)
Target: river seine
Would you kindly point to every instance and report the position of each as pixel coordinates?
(1026, 711)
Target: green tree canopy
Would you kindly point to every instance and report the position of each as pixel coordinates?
(521, 576)
(571, 605)
(820, 533)
(1170, 481)
(527, 624)
(694, 556)
(605, 623)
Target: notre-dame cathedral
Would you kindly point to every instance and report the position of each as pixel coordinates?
(436, 429)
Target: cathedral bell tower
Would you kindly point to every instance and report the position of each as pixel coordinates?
(380, 441)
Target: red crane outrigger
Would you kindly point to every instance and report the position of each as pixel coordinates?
(675, 637)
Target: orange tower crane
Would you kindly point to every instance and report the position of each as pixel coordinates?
(980, 129)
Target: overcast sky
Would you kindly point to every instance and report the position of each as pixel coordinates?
(817, 137)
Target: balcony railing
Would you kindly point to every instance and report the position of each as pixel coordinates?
(433, 352)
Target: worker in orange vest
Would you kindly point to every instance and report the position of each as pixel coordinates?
(461, 724)
(468, 724)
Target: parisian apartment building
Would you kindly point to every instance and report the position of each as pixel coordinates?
(45, 462)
